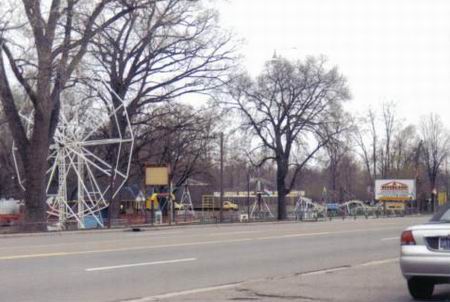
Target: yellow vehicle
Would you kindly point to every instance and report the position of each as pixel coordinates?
(228, 205)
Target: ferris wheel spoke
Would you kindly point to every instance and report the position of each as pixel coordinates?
(125, 176)
(90, 206)
(52, 174)
(114, 113)
(101, 142)
(106, 190)
(72, 212)
(50, 200)
(106, 171)
(94, 184)
(54, 210)
(122, 183)
(71, 156)
(119, 187)
(96, 127)
(109, 167)
(118, 156)
(87, 152)
(16, 167)
(53, 153)
(117, 172)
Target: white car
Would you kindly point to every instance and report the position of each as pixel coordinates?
(425, 254)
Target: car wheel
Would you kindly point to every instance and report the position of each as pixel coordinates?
(420, 288)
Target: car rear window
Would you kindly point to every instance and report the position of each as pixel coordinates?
(443, 214)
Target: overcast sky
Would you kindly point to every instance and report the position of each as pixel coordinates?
(395, 50)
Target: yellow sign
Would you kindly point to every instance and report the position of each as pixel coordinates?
(157, 175)
(393, 198)
(442, 198)
(395, 206)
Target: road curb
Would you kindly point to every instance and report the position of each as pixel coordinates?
(144, 227)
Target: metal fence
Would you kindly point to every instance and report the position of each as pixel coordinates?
(245, 212)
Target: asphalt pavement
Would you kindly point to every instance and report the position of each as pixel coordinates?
(339, 260)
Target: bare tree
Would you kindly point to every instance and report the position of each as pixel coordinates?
(366, 138)
(338, 147)
(178, 135)
(290, 105)
(160, 53)
(435, 144)
(389, 123)
(372, 117)
(404, 152)
(43, 54)
(165, 50)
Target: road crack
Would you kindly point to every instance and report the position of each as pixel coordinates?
(257, 294)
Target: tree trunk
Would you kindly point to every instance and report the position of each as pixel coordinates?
(282, 170)
(116, 131)
(433, 196)
(35, 167)
(333, 168)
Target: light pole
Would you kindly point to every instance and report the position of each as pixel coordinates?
(221, 179)
(248, 193)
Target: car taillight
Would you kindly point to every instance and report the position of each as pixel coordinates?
(407, 238)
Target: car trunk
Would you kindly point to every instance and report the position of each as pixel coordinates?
(436, 236)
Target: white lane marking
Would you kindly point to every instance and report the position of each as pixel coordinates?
(105, 268)
(293, 235)
(125, 249)
(235, 233)
(129, 237)
(185, 292)
(150, 233)
(378, 262)
(325, 271)
(391, 238)
(308, 234)
(187, 244)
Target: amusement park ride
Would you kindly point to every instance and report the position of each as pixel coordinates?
(260, 208)
(80, 159)
(186, 201)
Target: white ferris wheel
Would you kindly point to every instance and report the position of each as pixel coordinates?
(89, 160)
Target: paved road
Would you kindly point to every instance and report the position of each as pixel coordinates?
(324, 261)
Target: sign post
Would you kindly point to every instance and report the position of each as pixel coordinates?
(158, 175)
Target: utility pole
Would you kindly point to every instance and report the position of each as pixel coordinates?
(111, 199)
(418, 180)
(444, 200)
(221, 178)
(171, 207)
(248, 193)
